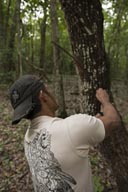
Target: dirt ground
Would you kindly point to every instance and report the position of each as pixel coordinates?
(14, 171)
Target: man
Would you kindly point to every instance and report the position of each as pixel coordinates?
(57, 149)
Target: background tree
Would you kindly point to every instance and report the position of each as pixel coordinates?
(85, 25)
(1, 31)
(43, 26)
(9, 60)
(57, 60)
(115, 14)
(29, 37)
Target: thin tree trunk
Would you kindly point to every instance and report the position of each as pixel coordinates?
(6, 21)
(19, 65)
(1, 33)
(114, 43)
(85, 25)
(43, 35)
(58, 78)
(10, 64)
(32, 46)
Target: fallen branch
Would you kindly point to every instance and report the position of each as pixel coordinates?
(42, 71)
(23, 175)
(77, 62)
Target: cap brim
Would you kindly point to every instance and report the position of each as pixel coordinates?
(22, 110)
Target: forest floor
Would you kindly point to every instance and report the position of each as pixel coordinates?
(14, 171)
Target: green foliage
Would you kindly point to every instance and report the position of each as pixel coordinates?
(125, 118)
(98, 187)
(31, 16)
(8, 79)
(116, 35)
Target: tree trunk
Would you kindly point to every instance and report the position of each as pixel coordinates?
(19, 65)
(43, 35)
(85, 25)
(6, 21)
(9, 62)
(1, 32)
(58, 79)
(114, 43)
(32, 46)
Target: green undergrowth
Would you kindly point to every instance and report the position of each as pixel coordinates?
(125, 118)
(98, 186)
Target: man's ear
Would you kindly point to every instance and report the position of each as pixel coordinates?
(42, 96)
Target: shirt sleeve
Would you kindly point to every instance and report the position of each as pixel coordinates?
(85, 130)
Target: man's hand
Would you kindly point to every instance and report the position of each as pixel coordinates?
(110, 118)
(102, 96)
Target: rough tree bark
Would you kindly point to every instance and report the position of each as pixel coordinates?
(85, 25)
(58, 79)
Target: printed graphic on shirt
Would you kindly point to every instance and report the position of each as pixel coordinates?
(46, 172)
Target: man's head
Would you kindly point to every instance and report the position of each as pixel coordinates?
(27, 96)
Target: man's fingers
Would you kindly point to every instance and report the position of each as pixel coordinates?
(100, 90)
(102, 95)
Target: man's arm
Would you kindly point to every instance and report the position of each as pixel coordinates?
(110, 118)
